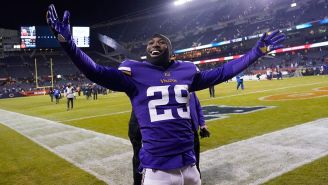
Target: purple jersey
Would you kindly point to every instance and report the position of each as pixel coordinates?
(160, 99)
(161, 106)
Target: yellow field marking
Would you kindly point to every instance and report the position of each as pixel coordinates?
(315, 93)
(261, 91)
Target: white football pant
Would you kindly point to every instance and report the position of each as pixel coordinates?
(187, 175)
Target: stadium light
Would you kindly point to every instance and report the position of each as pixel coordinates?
(293, 5)
(181, 2)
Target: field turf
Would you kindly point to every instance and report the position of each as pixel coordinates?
(23, 162)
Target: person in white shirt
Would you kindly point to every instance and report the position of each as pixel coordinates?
(69, 93)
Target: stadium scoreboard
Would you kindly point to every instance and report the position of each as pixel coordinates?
(42, 37)
(81, 36)
(28, 37)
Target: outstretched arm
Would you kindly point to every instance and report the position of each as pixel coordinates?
(108, 77)
(230, 69)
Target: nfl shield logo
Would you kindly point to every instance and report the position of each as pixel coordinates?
(214, 112)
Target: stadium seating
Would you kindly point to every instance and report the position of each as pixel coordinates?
(196, 25)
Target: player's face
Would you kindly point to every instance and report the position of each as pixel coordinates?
(156, 46)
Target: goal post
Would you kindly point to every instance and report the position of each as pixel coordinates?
(36, 75)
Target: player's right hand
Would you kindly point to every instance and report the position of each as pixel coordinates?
(61, 29)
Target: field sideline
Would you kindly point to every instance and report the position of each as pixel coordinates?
(110, 114)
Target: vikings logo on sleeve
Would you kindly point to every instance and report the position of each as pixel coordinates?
(125, 70)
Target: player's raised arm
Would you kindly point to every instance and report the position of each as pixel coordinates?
(108, 77)
(267, 43)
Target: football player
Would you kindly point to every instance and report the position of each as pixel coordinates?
(158, 89)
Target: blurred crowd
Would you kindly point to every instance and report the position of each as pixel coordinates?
(191, 27)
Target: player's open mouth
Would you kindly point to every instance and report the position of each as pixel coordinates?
(155, 53)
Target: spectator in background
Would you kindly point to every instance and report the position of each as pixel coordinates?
(88, 91)
(269, 74)
(258, 76)
(69, 93)
(51, 94)
(279, 74)
(57, 95)
(212, 91)
(95, 91)
(240, 80)
(78, 89)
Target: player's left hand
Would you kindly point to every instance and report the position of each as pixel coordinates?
(270, 42)
(204, 132)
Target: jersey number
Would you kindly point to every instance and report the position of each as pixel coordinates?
(164, 90)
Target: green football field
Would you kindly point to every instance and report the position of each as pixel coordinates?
(293, 101)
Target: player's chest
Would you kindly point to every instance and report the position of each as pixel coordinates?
(163, 78)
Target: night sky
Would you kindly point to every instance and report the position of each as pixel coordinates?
(14, 13)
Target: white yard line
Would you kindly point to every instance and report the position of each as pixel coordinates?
(96, 153)
(95, 116)
(259, 159)
(251, 161)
